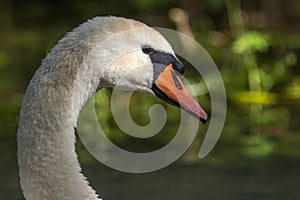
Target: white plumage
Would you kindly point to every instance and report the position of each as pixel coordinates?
(102, 52)
(84, 60)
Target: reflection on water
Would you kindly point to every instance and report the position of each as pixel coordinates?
(242, 179)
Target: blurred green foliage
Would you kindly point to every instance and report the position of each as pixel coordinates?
(250, 42)
(255, 44)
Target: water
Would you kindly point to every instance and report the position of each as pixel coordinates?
(275, 178)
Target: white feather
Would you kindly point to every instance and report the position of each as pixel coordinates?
(102, 52)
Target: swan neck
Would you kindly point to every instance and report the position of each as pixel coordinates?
(48, 164)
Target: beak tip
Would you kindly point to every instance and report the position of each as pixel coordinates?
(203, 118)
(202, 115)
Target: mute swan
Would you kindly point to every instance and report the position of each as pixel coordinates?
(78, 66)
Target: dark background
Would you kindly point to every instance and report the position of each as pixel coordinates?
(256, 46)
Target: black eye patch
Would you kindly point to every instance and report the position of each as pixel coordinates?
(163, 58)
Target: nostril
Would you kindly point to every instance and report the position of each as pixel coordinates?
(176, 81)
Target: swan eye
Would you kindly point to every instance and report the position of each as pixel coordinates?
(147, 50)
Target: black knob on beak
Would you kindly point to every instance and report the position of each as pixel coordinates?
(178, 66)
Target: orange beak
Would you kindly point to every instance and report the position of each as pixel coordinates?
(170, 88)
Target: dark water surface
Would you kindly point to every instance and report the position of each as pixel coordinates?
(268, 179)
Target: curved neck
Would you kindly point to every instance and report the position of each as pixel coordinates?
(48, 164)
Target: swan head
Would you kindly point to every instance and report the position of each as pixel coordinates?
(133, 56)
